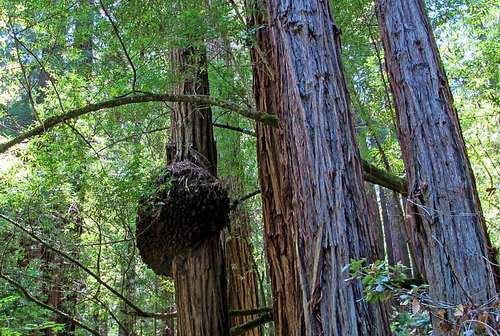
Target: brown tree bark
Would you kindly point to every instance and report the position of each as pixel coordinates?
(396, 237)
(375, 220)
(242, 275)
(310, 174)
(243, 289)
(443, 207)
(199, 276)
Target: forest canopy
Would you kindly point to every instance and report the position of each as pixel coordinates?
(249, 167)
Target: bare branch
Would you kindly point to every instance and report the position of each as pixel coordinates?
(117, 33)
(242, 328)
(51, 122)
(237, 129)
(237, 202)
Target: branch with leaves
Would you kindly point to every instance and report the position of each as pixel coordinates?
(69, 258)
(33, 299)
(51, 122)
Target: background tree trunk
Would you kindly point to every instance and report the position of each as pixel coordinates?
(396, 238)
(199, 276)
(242, 274)
(443, 206)
(310, 173)
(243, 289)
(375, 220)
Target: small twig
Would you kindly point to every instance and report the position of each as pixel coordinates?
(237, 129)
(117, 33)
(488, 327)
(237, 202)
(132, 136)
(237, 11)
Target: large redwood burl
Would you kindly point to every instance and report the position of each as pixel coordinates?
(199, 270)
(189, 206)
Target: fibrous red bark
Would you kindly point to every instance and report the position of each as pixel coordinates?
(310, 174)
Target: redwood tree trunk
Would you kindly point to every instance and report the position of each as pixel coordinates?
(444, 209)
(243, 289)
(393, 218)
(200, 281)
(310, 173)
(375, 220)
(242, 275)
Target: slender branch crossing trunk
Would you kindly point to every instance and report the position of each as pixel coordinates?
(310, 173)
(443, 206)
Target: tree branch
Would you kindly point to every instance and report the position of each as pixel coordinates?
(383, 178)
(371, 173)
(33, 299)
(51, 122)
(237, 129)
(242, 328)
(238, 201)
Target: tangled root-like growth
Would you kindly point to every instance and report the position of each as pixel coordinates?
(188, 207)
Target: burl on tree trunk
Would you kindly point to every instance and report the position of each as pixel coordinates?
(180, 225)
(445, 217)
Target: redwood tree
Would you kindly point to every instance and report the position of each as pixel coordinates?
(242, 274)
(200, 282)
(443, 205)
(310, 174)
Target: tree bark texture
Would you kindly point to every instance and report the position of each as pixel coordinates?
(199, 276)
(375, 220)
(394, 228)
(443, 207)
(310, 174)
(243, 289)
(242, 275)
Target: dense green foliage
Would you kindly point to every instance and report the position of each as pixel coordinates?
(77, 186)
